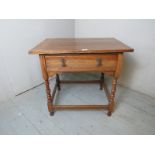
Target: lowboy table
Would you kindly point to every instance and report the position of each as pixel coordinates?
(59, 55)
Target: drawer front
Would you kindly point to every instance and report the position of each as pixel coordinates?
(79, 63)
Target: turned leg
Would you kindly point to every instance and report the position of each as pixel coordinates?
(101, 81)
(58, 81)
(49, 98)
(112, 96)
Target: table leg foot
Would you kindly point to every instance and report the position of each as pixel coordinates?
(109, 113)
(52, 113)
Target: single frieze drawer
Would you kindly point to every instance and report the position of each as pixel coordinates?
(88, 62)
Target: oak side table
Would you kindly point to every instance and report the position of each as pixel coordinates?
(60, 55)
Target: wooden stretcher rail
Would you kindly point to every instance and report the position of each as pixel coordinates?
(77, 81)
(79, 107)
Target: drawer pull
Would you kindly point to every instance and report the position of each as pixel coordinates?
(98, 62)
(63, 62)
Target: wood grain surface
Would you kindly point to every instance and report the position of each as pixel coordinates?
(80, 45)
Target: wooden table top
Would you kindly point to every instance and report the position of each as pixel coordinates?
(80, 45)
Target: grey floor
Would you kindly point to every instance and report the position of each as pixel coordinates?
(27, 113)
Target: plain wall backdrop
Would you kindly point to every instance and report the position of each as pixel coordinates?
(20, 71)
(139, 66)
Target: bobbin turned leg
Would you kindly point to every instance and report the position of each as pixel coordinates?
(49, 98)
(48, 91)
(112, 96)
(101, 81)
(58, 81)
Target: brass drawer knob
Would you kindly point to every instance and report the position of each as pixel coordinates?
(63, 64)
(98, 62)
